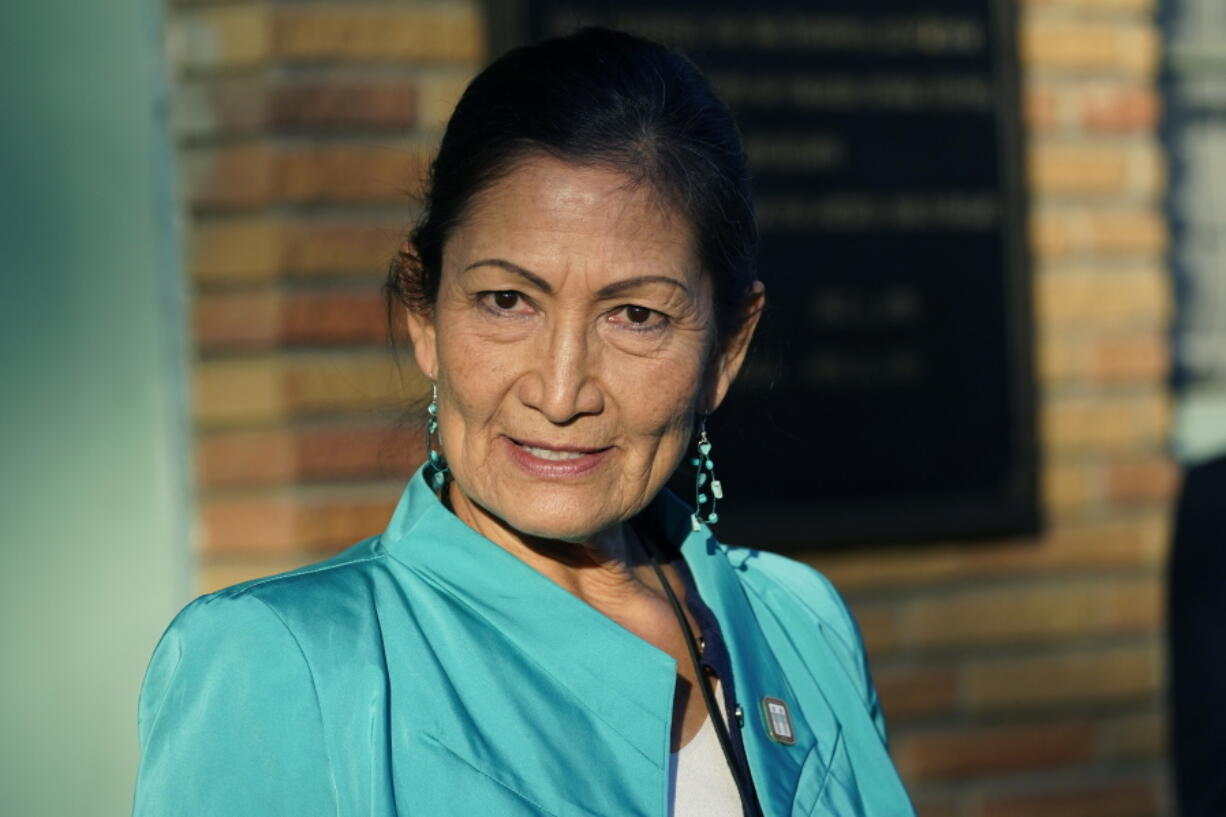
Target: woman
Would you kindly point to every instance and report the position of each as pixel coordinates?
(543, 628)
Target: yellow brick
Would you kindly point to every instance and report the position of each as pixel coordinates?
(222, 38)
(1042, 612)
(1103, 424)
(1071, 356)
(1094, 169)
(1094, 5)
(1067, 488)
(1137, 737)
(216, 572)
(431, 32)
(239, 391)
(1069, 296)
(236, 249)
(343, 382)
(256, 249)
(1094, 676)
(1067, 231)
(1076, 169)
(255, 175)
(1121, 47)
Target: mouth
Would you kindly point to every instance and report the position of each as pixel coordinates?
(556, 460)
(556, 452)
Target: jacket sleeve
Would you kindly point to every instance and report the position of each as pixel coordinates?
(229, 719)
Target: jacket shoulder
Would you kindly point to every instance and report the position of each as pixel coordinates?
(777, 577)
(807, 602)
(354, 559)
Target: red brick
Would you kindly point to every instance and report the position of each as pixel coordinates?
(1145, 480)
(288, 522)
(233, 177)
(1135, 541)
(280, 456)
(248, 320)
(907, 694)
(248, 457)
(989, 751)
(1036, 612)
(343, 105)
(1129, 798)
(1077, 106)
(1087, 676)
(259, 249)
(878, 626)
(360, 452)
(335, 317)
(233, 107)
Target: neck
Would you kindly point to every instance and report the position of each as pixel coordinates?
(609, 568)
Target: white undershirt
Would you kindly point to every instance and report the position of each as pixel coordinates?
(700, 782)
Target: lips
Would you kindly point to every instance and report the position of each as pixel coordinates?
(553, 461)
(557, 452)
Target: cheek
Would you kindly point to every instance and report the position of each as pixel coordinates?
(474, 376)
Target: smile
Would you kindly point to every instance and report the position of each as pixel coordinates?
(555, 462)
(550, 454)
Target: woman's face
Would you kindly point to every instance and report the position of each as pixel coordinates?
(570, 343)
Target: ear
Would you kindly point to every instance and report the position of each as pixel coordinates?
(728, 364)
(424, 336)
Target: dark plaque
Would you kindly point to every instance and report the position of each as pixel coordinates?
(890, 394)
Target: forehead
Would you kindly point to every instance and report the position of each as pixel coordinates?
(552, 216)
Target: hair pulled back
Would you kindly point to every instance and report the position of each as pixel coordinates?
(595, 97)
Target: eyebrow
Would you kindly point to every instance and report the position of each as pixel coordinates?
(606, 291)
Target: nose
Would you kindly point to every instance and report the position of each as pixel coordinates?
(562, 383)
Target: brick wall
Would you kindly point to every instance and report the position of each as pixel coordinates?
(1019, 677)
(302, 130)
(1025, 677)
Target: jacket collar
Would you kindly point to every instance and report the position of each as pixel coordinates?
(615, 674)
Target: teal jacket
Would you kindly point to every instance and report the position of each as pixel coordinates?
(427, 672)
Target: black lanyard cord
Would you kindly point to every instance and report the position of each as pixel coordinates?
(749, 804)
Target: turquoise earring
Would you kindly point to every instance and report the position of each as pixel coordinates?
(707, 488)
(437, 470)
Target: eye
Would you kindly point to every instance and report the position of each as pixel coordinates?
(639, 318)
(504, 301)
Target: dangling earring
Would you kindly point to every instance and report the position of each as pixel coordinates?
(437, 465)
(707, 488)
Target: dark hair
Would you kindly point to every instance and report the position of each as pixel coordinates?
(595, 97)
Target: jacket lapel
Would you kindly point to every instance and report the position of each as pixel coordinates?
(757, 674)
(614, 676)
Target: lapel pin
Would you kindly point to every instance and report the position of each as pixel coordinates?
(778, 721)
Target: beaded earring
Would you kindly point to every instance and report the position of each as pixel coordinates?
(437, 465)
(705, 481)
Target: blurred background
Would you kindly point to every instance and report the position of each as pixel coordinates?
(199, 203)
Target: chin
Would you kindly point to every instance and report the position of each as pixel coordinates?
(563, 518)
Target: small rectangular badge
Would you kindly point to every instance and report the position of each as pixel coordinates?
(778, 721)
